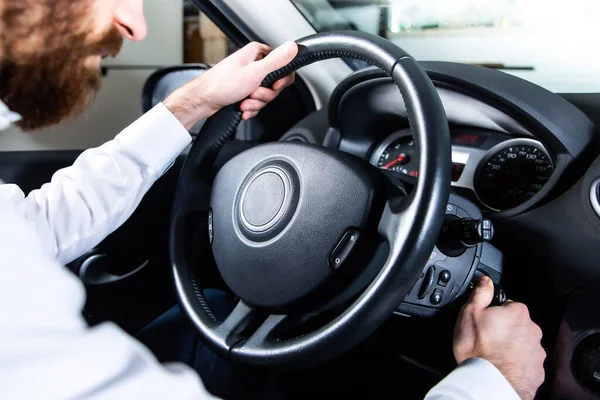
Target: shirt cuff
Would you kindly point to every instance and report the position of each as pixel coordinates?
(475, 378)
(157, 138)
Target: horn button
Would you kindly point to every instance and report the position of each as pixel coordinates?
(263, 199)
(266, 201)
(279, 211)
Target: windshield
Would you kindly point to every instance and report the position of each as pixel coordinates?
(553, 43)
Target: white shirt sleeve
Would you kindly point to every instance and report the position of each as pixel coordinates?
(90, 199)
(474, 379)
(46, 349)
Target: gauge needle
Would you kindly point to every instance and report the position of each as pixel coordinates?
(399, 159)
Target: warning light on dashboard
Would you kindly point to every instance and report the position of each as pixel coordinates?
(468, 139)
(414, 173)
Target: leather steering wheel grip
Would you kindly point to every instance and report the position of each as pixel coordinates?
(342, 44)
(429, 126)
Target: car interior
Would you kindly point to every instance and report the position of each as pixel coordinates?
(352, 215)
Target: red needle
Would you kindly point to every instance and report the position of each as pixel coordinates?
(400, 158)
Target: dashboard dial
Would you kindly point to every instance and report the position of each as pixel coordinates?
(398, 154)
(512, 173)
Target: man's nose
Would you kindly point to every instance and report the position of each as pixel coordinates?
(129, 19)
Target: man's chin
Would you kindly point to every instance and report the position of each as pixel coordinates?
(54, 112)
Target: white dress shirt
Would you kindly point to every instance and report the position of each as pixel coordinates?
(47, 351)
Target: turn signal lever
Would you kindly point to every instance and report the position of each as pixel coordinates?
(458, 234)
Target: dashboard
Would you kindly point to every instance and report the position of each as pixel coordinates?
(514, 144)
(501, 171)
(524, 160)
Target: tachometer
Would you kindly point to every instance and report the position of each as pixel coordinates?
(397, 153)
(512, 173)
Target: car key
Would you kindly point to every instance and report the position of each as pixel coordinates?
(499, 296)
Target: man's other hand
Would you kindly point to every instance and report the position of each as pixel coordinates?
(505, 336)
(236, 78)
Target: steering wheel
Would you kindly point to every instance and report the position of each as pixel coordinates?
(319, 246)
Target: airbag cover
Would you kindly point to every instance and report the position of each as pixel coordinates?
(279, 210)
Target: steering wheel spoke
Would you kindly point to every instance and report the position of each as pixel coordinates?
(242, 318)
(247, 327)
(396, 219)
(265, 337)
(266, 331)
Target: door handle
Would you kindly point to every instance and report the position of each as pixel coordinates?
(99, 269)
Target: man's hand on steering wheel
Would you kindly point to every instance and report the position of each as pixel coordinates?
(505, 336)
(234, 79)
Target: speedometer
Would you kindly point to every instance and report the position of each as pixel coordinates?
(512, 173)
(398, 153)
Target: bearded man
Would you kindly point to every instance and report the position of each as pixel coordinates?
(50, 55)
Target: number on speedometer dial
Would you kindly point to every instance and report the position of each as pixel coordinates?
(513, 175)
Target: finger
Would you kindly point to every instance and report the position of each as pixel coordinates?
(278, 58)
(253, 51)
(252, 105)
(483, 294)
(519, 309)
(267, 95)
(284, 82)
(263, 94)
(538, 333)
(249, 115)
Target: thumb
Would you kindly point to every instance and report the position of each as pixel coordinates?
(278, 58)
(483, 294)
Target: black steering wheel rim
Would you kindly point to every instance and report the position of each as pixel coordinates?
(410, 227)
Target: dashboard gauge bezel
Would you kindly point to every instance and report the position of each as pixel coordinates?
(385, 143)
(491, 153)
(469, 156)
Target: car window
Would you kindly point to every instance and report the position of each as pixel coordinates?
(555, 44)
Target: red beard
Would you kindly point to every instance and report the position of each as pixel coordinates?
(53, 84)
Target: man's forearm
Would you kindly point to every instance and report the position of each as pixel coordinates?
(87, 201)
(187, 110)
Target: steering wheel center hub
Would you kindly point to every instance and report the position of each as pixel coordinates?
(279, 211)
(265, 199)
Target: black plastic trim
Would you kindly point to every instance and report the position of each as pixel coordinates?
(556, 121)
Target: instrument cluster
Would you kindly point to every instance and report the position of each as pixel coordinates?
(502, 171)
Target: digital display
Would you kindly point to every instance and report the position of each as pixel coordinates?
(457, 170)
(468, 139)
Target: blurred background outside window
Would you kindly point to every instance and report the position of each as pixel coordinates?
(203, 40)
(553, 43)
